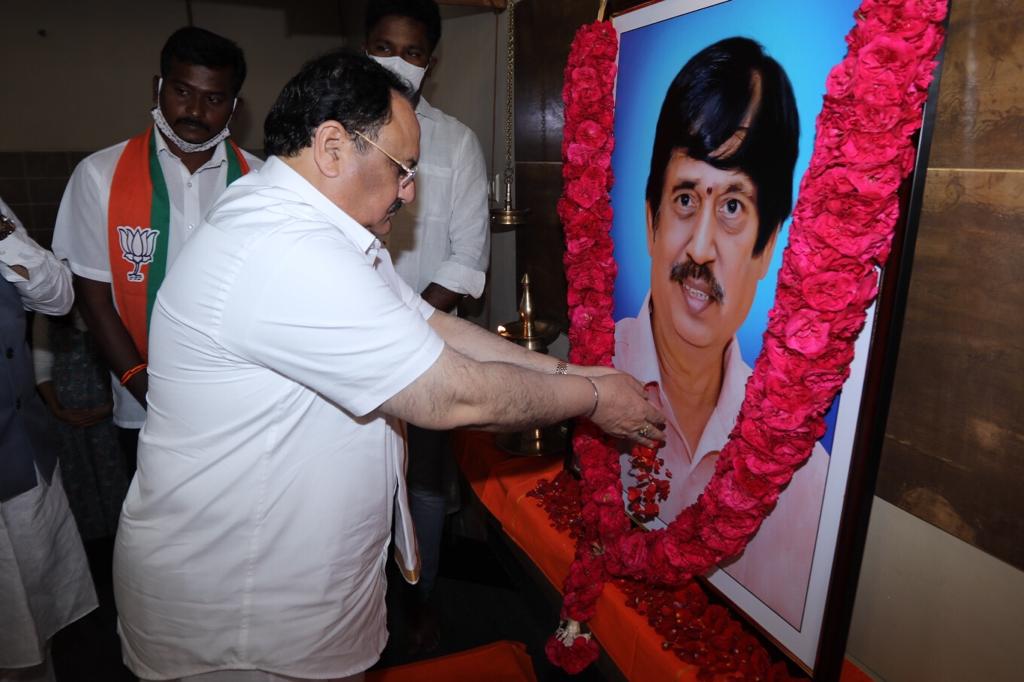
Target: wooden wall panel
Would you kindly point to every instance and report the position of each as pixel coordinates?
(954, 447)
(541, 244)
(544, 31)
(980, 120)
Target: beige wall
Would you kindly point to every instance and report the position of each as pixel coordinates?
(932, 608)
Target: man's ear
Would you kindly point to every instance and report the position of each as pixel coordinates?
(651, 229)
(769, 250)
(331, 145)
(430, 66)
(156, 90)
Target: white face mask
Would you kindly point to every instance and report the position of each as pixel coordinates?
(188, 147)
(403, 69)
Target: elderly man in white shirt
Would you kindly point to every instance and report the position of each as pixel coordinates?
(440, 246)
(287, 354)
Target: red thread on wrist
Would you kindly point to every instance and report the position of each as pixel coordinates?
(131, 372)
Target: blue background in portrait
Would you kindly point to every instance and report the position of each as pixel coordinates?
(650, 57)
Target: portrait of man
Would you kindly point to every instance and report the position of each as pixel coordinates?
(720, 186)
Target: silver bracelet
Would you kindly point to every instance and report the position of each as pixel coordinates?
(597, 397)
(562, 367)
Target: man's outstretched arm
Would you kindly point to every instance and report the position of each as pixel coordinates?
(481, 345)
(458, 391)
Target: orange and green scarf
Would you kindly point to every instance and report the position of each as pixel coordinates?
(138, 229)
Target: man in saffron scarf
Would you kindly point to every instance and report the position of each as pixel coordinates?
(720, 187)
(128, 209)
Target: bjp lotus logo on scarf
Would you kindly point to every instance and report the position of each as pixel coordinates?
(137, 247)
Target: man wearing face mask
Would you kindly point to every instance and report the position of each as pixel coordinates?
(441, 247)
(128, 209)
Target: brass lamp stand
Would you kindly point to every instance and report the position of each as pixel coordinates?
(535, 335)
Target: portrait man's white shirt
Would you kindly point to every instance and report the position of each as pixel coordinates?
(776, 564)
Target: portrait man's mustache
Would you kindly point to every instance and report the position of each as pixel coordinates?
(692, 270)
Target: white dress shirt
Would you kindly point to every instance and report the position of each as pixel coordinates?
(444, 235)
(48, 287)
(776, 565)
(255, 533)
(81, 231)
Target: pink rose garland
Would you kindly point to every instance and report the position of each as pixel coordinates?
(841, 234)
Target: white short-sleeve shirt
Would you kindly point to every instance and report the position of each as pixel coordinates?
(81, 230)
(255, 532)
(776, 564)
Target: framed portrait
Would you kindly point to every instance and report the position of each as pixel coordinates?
(699, 239)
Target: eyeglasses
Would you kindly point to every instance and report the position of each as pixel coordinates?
(408, 174)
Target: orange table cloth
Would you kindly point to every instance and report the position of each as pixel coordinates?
(498, 662)
(502, 483)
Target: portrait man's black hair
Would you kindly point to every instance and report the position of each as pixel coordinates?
(194, 45)
(424, 11)
(341, 86)
(732, 107)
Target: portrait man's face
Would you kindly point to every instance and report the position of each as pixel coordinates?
(701, 241)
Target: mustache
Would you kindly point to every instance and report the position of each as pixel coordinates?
(680, 272)
(395, 207)
(195, 123)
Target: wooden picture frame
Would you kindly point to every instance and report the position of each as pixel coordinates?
(807, 39)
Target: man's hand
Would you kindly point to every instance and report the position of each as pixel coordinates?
(441, 298)
(75, 416)
(623, 411)
(84, 416)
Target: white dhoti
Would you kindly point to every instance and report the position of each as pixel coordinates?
(45, 582)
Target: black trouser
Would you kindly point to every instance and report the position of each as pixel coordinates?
(429, 471)
(129, 441)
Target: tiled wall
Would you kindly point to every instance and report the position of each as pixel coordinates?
(32, 184)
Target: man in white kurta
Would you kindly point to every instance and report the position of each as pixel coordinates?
(443, 238)
(285, 352)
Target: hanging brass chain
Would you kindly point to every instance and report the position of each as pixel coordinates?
(510, 90)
